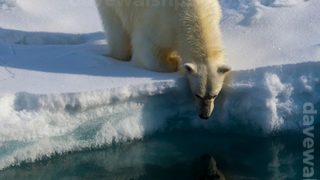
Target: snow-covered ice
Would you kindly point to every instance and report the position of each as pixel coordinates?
(59, 93)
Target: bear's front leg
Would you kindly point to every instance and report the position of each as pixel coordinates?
(147, 54)
(118, 38)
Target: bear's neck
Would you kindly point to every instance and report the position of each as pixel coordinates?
(200, 37)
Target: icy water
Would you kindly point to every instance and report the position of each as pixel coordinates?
(174, 155)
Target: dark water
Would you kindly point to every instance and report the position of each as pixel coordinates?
(175, 156)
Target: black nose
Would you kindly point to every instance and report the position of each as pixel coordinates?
(204, 117)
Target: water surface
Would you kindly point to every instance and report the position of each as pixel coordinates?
(174, 155)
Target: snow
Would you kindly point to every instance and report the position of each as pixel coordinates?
(258, 33)
(69, 16)
(59, 63)
(59, 93)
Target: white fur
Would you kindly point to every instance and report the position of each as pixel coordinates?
(162, 35)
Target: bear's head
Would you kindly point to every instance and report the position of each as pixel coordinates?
(206, 80)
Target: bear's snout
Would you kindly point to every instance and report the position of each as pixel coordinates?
(204, 116)
(205, 108)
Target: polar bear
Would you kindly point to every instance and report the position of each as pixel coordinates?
(170, 36)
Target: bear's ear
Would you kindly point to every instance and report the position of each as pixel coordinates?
(224, 69)
(190, 68)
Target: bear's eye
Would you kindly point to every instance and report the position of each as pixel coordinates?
(198, 96)
(213, 97)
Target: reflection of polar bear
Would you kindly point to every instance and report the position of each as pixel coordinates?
(208, 169)
(164, 35)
